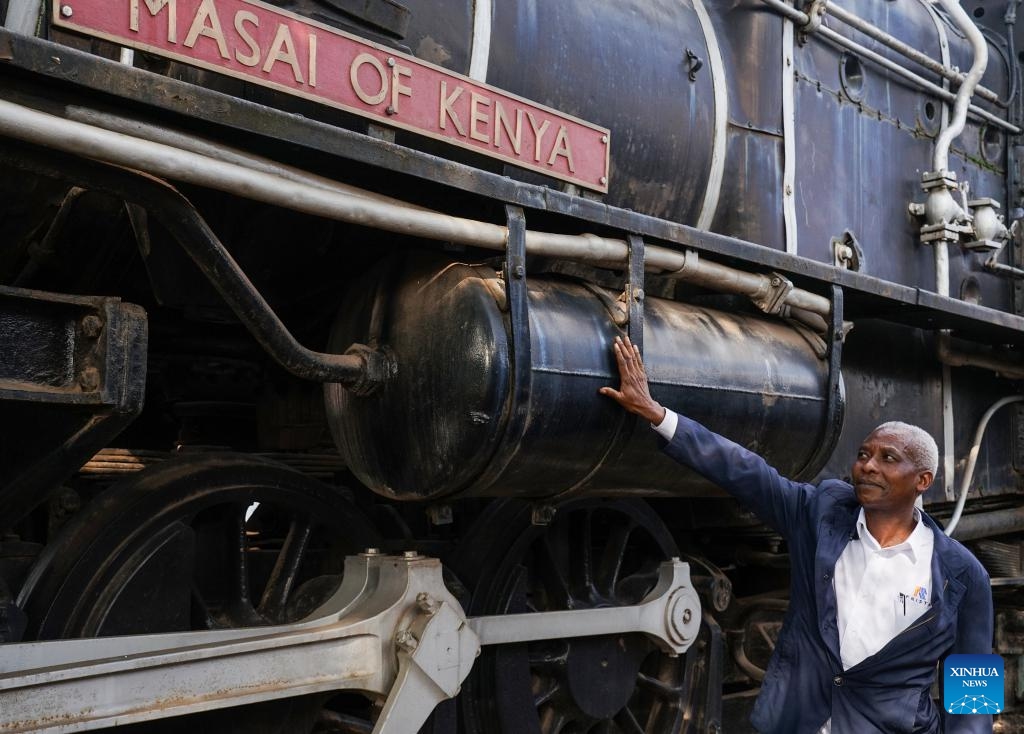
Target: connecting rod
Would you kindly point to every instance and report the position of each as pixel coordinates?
(392, 630)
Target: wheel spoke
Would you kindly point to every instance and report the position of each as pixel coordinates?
(582, 564)
(611, 559)
(237, 552)
(658, 687)
(553, 578)
(627, 722)
(286, 570)
(546, 692)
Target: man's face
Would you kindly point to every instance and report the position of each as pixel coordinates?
(884, 477)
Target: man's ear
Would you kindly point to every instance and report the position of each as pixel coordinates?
(924, 480)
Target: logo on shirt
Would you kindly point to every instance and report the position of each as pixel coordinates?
(918, 596)
(973, 684)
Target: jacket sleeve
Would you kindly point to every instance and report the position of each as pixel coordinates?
(777, 501)
(973, 637)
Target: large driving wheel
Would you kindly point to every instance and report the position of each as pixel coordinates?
(204, 542)
(593, 554)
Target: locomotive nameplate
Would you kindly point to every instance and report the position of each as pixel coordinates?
(262, 44)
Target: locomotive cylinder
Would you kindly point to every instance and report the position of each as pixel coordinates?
(442, 425)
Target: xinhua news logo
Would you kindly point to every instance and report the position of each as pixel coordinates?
(973, 684)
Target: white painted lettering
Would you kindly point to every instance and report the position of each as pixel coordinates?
(476, 117)
(253, 57)
(447, 111)
(283, 49)
(155, 7)
(312, 60)
(502, 122)
(207, 23)
(377, 97)
(562, 148)
(538, 135)
(397, 88)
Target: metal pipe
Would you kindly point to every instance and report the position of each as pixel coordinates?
(827, 33)
(868, 29)
(940, 161)
(366, 210)
(361, 369)
(947, 354)
(972, 459)
(985, 524)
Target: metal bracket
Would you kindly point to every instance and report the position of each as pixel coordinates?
(392, 629)
(835, 411)
(518, 310)
(634, 293)
(772, 297)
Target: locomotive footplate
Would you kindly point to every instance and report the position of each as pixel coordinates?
(391, 630)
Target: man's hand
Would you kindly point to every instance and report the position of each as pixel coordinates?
(633, 393)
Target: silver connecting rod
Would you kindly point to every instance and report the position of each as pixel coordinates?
(392, 630)
(289, 189)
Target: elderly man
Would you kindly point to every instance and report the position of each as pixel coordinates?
(879, 595)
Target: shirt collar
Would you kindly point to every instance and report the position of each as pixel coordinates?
(919, 540)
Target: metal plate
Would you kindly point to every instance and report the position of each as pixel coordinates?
(256, 42)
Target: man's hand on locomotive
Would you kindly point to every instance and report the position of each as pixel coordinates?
(633, 394)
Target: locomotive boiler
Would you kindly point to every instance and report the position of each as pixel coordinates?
(306, 304)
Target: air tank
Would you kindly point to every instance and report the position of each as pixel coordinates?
(461, 417)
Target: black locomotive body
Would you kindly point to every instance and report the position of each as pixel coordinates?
(250, 329)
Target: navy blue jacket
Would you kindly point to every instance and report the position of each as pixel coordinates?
(805, 682)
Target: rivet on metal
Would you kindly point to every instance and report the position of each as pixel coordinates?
(67, 11)
(91, 326)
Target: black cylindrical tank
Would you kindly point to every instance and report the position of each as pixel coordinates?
(441, 426)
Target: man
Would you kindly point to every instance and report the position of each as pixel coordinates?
(879, 595)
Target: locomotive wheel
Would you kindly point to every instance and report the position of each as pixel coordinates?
(594, 554)
(181, 546)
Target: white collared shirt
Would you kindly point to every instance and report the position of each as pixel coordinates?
(880, 592)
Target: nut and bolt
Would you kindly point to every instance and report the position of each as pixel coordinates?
(687, 616)
(406, 640)
(89, 379)
(66, 11)
(518, 272)
(91, 326)
(391, 61)
(371, 552)
(391, 110)
(604, 180)
(410, 555)
(604, 138)
(427, 603)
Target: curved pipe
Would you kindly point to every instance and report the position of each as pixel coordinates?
(365, 209)
(972, 459)
(940, 160)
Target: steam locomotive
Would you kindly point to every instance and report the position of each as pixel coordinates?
(305, 305)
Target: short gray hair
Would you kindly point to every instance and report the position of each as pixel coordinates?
(921, 447)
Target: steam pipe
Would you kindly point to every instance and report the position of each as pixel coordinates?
(873, 31)
(972, 459)
(365, 209)
(829, 34)
(940, 160)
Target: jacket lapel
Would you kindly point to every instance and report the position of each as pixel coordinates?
(834, 533)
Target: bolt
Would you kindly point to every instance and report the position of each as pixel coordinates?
(391, 110)
(604, 138)
(66, 11)
(638, 294)
(776, 282)
(410, 555)
(391, 61)
(371, 552)
(604, 180)
(406, 640)
(687, 616)
(89, 379)
(519, 271)
(427, 603)
(91, 326)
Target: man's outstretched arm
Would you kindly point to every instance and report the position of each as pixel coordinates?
(774, 499)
